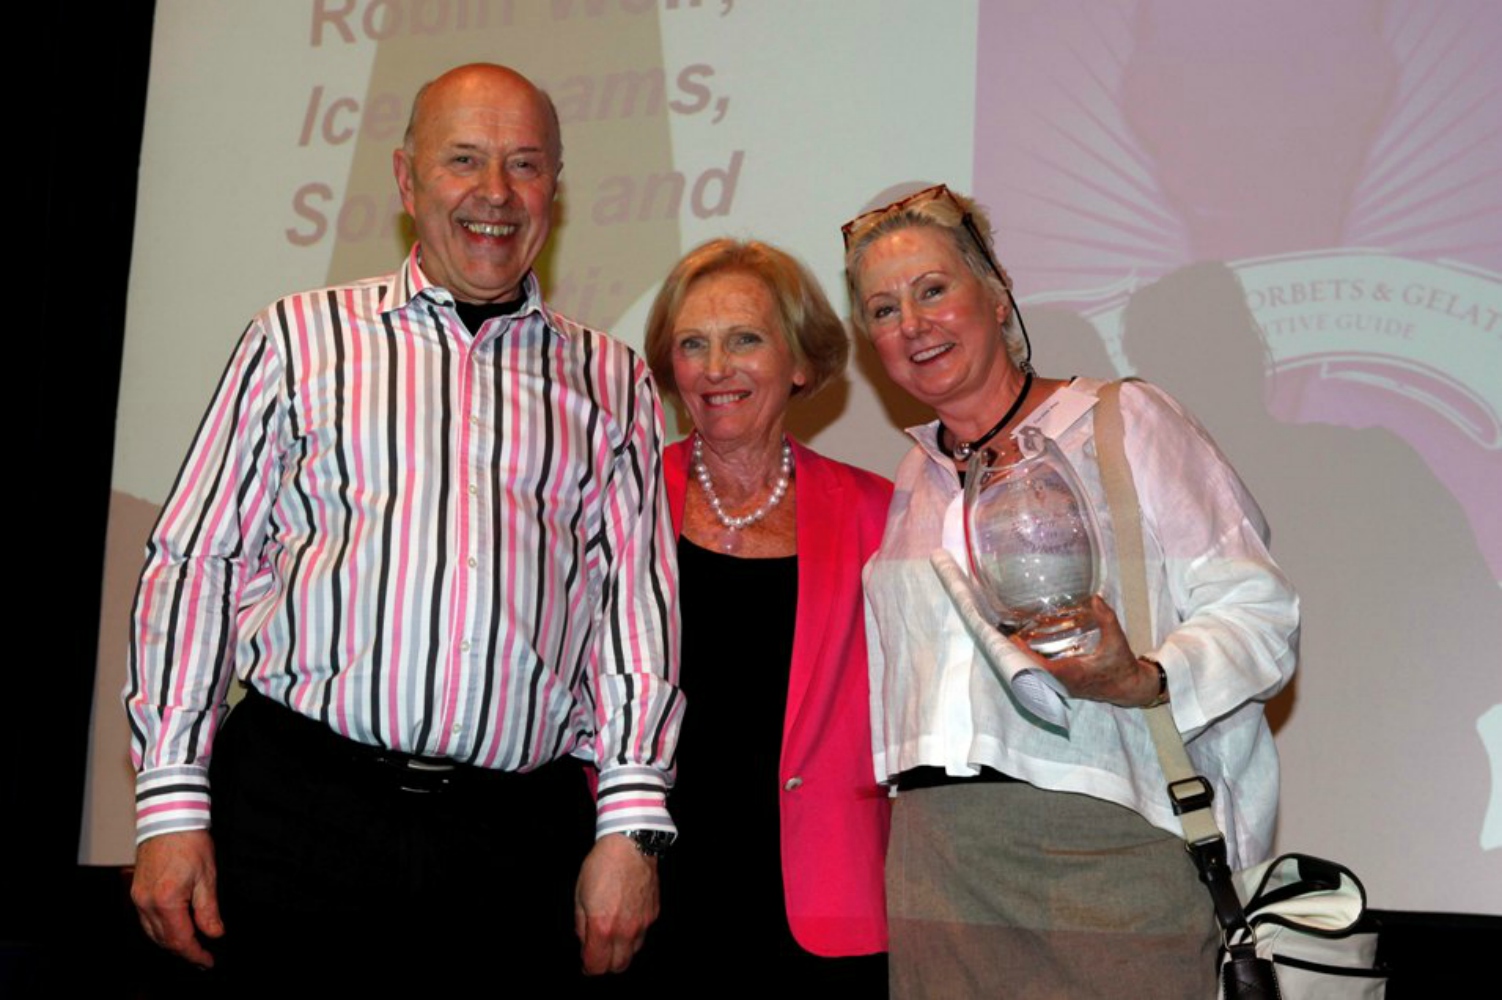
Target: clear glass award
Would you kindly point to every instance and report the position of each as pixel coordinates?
(1034, 546)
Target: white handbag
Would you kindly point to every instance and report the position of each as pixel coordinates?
(1303, 912)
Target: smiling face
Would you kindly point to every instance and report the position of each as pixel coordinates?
(731, 361)
(478, 179)
(935, 325)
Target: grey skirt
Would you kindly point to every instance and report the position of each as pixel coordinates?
(1004, 890)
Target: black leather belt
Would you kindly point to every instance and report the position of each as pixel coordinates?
(372, 765)
(936, 777)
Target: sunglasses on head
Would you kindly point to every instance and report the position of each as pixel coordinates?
(941, 192)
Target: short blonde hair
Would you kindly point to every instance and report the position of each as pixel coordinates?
(808, 323)
(945, 210)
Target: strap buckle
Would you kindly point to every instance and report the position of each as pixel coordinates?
(1190, 794)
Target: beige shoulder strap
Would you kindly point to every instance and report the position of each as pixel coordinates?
(1126, 521)
(1126, 514)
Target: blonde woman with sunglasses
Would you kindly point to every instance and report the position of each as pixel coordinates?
(1029, 859)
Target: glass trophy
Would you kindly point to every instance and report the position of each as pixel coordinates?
(1034, 546)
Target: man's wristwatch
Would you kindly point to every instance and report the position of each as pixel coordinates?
(652, 843)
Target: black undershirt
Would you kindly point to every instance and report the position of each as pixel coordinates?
(475, 314)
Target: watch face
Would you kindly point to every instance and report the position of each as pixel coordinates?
(653, 843)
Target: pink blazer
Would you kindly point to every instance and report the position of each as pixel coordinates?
(834, 816)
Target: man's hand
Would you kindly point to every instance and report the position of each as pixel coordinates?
(614, 904)
(175, 892)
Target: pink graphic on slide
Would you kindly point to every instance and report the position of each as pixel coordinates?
(1118, 143)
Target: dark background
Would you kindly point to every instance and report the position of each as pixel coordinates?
(61, 923)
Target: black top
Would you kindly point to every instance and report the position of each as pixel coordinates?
(738, 620)
(474, 314)
(724, 918)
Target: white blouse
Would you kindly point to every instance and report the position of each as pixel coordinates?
(1224, 617)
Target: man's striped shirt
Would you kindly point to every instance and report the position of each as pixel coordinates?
(443, 544)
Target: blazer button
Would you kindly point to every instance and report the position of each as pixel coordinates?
(792, 784)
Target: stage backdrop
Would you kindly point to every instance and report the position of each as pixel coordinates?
(1288, 214)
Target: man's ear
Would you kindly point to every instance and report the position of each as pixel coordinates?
(401, 165)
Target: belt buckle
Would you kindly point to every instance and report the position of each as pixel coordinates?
(426, 776)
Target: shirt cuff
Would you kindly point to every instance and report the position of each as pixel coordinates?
(1183, 699)
(632, 797)
(171, 800)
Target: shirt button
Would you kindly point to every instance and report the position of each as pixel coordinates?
(457, 729)
(473, 562)
(464, 645)
(473, 489)
(793, 784)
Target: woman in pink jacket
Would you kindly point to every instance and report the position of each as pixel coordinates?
(783, 829)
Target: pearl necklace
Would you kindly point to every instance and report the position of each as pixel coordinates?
(731, 522)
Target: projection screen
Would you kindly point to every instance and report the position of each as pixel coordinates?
(1287, 214)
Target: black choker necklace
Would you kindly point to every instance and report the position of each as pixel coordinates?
(964, 449)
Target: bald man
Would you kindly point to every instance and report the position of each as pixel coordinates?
(423, 522)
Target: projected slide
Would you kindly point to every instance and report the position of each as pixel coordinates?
(1287, 214)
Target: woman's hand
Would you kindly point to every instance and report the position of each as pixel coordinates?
(1112, 673)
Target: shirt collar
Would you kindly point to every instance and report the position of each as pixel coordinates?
(412, 284)
(927, 436)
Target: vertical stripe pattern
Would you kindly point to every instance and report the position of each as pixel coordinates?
(443, 544)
